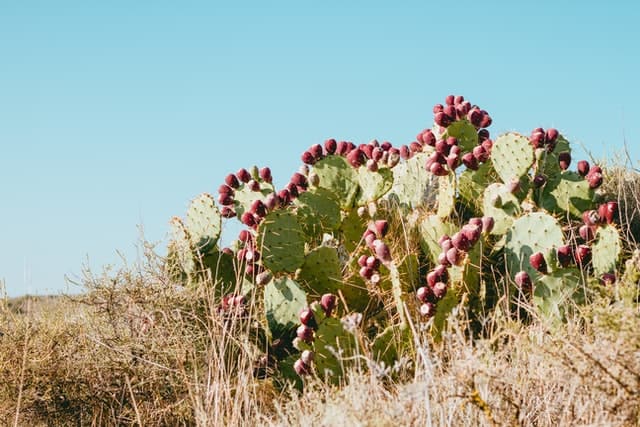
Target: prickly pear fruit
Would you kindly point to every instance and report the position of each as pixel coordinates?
(439, 290)
(608, 279)
(586, 233)
(564, 159)
(307, 357)
(591, 218)
(539, 181)
(583, 168)
(381, 227)
(460, 242)
(330, 146)
(382, 251)
(565, 255)
(523, 281)
(453, 256)
(301, 368)
(595, 180)
(552, 135)
(607, 211)
(424, 293)
(328, 303)
(538, 263)
(582, 255)
(243, 175)
(306, 317)
(427, 310)
(305, 333)
(263, 278)
(487, 224)
(232, 181)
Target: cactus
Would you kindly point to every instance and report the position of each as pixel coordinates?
(512, 157)
(373, 185)
(203, 224)
(568, 193)
(556, 292)
(502, 205)
(472, 184)
(446, 195)
(606, 250)
(282, 241)
(318, 212)
(412, 184)
(338, 176)
(283, 301)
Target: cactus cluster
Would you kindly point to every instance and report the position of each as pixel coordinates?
(324, 250)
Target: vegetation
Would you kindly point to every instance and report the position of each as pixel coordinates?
(456, 280)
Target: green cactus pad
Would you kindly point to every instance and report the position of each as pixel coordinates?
(373, 185)
(431, 229)
(554, 293)
(337, 176)
(412, 184)
(204, 224)
(606, 250)
(352, 228)
(182, 246)
(464, 132)
(512, 156)
(534, 232)
(548, 164)
(471, 184)
(221, 268)
(283, 300)
(499, 203)
(446, 195)
(568, 193)
(244, 197)
(281, 241)
(443, 309)
(318, 211)
(321, 273)
(391, 344)
(332, 345)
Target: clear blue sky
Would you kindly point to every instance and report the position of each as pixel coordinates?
(114, 114)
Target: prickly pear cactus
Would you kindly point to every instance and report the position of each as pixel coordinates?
(203, 224)
(283, 301)
(282, 242)
(336, 175)
(512, 157)
(606, 250)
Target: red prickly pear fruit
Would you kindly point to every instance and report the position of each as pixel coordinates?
(227, 212)
(381, 227)
(427, 310)
(460, 242)
(591, 218)
(366, 272)
(538, 263)
(538, 138)
(453, 256)
(424, 293)
(362, 261)
(594, 169)
(483, 134)
(305, 333)
(487, 224)
(442, 272)
(437, 108)
(232, 181)
(341, 148)
(369, 239)
(439, 290)
(386, 146)
(414, 147)
(449, 100)
(375, 278)
(330, 146)
(442, 147)
(442, 119)
(225, 189)
(459, 99)
(253, 185)
(376, 154)
(475, 117)
(539, 181)
(446, 245)
(586, 233)
(263, 278)
(565, 255)
(480, 154)
(270, 201)
(611, 211)
(523, 281)
(225, 199)
(455, 150)
(248, 219)
(486, 119)
(442, 259)
(438, 170)
(328, 303)
(382, 251)
(476, 222)
(307, 158)
(299, 180)
(453, 161)
(450, 111)
(243, 175)
(608, 279)
(265, 175)
(582, 255)
(432, 278)
(238, 300)
(301, 368)
(552, 135)
(367, 149)
(470, 161)
(442, 239)
(316, 151)
(258, 208)
(514, 186)
(405, 154)
(355, 158)
(372, 165)
(284, 196)
(245, 236)
(595, 180)
(373, 262)
(293, 190)
(583, 168)
(488, 145)
(393, 157)
(472, 233)
(306, 317)
(564, 159)
(429, 138)
(307, 357)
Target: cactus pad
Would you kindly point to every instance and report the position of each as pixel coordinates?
(282, 242)
(337, 176)
(352, 228)
(373, 185)
(512, 156)
(431, 229)
(606, 250)
(283, 300)
(204, 224)
(569, 193)
(554, 293)
(446, 195)
(318, 211)
(502, 205)
(181, 245)
(471, 184)
(534, 232)
(244, 197)
(412, 184)
(464, 132)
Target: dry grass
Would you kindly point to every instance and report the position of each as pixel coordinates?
(136, 350)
